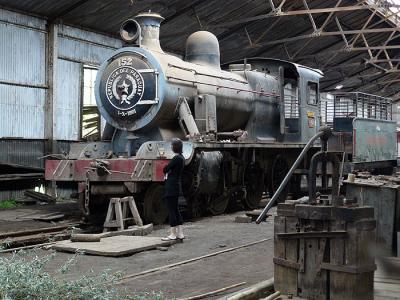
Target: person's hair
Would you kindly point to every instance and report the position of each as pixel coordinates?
(177, 145)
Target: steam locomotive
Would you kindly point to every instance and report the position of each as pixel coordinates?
(243, 125)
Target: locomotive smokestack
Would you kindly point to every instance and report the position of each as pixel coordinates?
(150, 30)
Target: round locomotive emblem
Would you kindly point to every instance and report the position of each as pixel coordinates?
(124, 88)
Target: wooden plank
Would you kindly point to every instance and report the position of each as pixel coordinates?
(353, 277)
(279, 253)
(114, 246)
(286, 263)
(312, 234)
(312, 282)
(291, 254)
(243, 219)
(134, 211)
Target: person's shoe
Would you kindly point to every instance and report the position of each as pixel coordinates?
(172, 235)
(179, 232)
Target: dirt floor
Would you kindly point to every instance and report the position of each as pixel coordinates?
(22, 218)
(251, 264)
(204, 236)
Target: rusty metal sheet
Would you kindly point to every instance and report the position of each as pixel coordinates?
(374, 140)
(120, 170)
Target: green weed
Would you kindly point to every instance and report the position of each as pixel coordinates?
(8, 204)
(23, 277)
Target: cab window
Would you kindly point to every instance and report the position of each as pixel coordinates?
(312, 93)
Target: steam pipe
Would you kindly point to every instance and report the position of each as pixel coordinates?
(324, 133)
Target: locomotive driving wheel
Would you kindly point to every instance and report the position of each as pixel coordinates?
(196, 207)
(280, 167)
(217, 204)
(254, 182)
(194, 201)
(154, 208)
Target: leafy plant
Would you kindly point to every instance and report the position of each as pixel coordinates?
(23, 276)
(7, 204)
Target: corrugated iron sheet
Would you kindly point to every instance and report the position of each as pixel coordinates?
(101, 39)
(22, 112)
(22, 55)
(68, 99)
(24, 20)
(11, 195)
(82, 51)
(22, 152)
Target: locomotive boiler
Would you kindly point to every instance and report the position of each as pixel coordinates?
(150, 95)
(243, 124)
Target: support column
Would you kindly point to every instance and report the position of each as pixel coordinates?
(50, 145)
(51, 73)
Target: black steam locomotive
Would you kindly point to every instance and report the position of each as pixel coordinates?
(243, 125)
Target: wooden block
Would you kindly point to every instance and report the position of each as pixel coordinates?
(114, 246)
(243, 219)
(254, 214)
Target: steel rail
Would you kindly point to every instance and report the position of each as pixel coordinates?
(184, 262)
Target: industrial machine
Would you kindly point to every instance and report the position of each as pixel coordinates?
(243, 125)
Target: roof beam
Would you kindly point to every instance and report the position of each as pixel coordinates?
(68, 10)
(330, 33)
(300, 12)
(182, 11)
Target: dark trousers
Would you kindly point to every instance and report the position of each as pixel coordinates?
(175, 217)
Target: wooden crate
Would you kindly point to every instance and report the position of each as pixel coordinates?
(323, 252)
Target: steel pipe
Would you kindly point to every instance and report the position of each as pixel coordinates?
(324, 133)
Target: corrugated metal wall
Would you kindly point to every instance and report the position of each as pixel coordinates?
(76, 48)
(23, 86)
(22, 76)
(67, 108)
(22, 152)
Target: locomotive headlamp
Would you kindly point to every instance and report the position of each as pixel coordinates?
(130, 31)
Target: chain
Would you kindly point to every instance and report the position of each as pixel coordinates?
(87, 193)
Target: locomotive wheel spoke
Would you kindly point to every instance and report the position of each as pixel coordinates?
(217, 204)
(195, 206)
(254, 182)
(155, 210)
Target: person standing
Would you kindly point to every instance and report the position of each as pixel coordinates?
(173, 190)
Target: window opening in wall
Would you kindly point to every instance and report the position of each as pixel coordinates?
(91, 120)
(312, 93)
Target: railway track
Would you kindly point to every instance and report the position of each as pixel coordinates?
(168, 267)
(26, 239)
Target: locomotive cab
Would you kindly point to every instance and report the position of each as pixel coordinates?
(299, 116)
